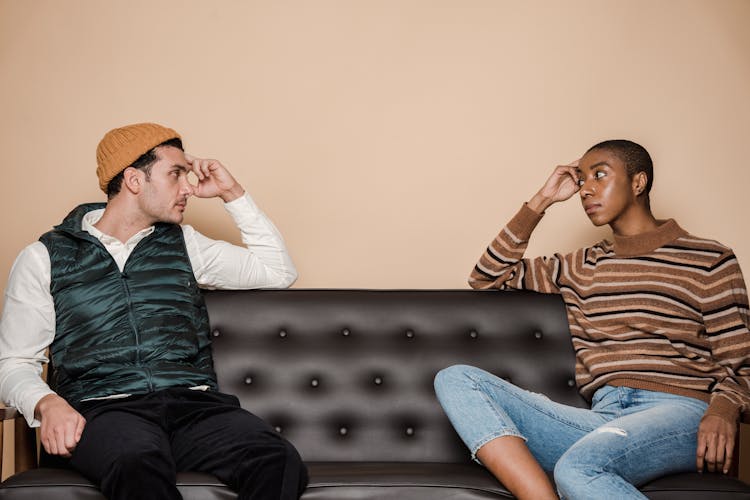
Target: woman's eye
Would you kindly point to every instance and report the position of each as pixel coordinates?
(579, 182)
(599, 174)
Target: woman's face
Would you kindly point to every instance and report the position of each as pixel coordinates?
(608, 193)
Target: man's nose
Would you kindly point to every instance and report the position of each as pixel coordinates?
(186, 187)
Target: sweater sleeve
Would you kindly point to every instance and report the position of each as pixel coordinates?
(726, 320)
(502, 264)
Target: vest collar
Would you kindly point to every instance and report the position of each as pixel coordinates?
(72, 223)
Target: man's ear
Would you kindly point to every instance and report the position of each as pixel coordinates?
(132, 179)
(640, 180)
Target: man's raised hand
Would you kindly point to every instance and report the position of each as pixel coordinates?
(213, 179)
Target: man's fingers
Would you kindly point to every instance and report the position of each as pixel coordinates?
(64, 437)
(48, 445)
(206, 167)
(79, 428)
(195, 165)
(205, 170)
(70, 442)
(198, 169)
(73, 433)
(60, 440)
(62, 426)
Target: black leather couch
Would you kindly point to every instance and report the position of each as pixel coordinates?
(347, 376)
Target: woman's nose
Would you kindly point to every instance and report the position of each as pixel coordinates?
(586, 189)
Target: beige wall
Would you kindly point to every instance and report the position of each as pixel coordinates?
(389, 140)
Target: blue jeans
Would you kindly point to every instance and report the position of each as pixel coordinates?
(628, 437)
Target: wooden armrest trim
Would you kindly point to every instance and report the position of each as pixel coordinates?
(9, 413)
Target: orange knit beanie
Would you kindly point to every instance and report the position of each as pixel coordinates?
(122, 146)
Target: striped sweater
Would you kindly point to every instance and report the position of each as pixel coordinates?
(662, 311)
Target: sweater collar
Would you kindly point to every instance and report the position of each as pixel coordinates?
(639, 244)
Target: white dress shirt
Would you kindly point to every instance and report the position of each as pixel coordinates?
(27, 325)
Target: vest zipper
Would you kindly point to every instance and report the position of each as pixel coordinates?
(123, 280)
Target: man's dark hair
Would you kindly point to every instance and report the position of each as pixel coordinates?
(634, 156)
(144, 163)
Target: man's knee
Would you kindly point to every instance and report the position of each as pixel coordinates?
(140, 474)
(274, 469)
(295, 467)
(273, 454)
(143, 463)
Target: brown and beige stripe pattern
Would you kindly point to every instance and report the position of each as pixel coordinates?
(664, 311)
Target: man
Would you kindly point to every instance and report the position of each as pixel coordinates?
(113, 293)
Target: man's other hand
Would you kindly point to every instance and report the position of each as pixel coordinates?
(62, 426)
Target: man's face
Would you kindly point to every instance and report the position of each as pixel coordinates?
(164, 196)
(607, 192)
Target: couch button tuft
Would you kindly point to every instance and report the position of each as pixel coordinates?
(248, 380)
(474, 334)
(346, 332)
(283, 334)
(571, 382)
(216, 333)
(314, 382)
(278, 429)
(378, 380)
(410, 431)
(538, 335)
(409, 334)
(343, 431)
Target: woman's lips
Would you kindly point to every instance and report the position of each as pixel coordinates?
(590, 208)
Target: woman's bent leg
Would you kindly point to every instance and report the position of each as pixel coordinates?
(483, 407)
(505, 426)
(614, 459)
(510, 461)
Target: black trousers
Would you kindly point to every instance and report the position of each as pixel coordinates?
(133, 447)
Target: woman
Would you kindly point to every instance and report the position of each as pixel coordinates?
(659, 323)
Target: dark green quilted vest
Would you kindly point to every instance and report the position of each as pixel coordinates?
(136, 331)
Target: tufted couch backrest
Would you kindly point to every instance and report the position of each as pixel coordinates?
(347, 375)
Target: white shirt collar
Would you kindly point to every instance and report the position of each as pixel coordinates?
(92, 217)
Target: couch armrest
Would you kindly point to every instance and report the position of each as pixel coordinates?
(743, 453)
(23, 449)
(9, 413)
